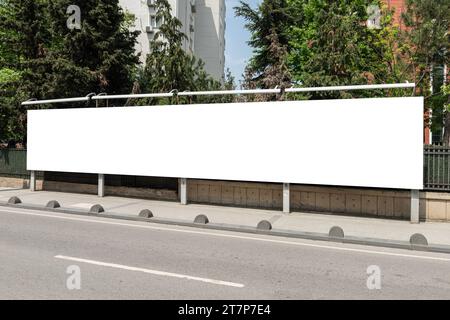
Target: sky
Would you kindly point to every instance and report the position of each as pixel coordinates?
(237, 51)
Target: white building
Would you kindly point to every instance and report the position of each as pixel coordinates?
(203, 24)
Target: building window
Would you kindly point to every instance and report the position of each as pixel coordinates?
(155, 22)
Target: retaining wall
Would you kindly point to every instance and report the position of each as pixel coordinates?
(434, 206)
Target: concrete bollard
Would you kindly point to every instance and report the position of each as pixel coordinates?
(146, 214)
(418, 240)
(201, 219)
(14, 200)
(336, 233)
(96, 209)
(53, 204)
(264, 225)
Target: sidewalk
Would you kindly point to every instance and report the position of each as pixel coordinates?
(437, 233)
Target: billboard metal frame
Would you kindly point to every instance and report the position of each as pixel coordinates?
(174, 93)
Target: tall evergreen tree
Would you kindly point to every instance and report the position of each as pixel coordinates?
(53, 61)
(99, 57)
(267, 23)
(168, 67)
(277, 74)
(428, 24)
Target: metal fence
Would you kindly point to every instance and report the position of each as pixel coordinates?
(437, 168)
(13, 164)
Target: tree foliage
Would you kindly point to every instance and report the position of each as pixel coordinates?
(53, 61)
(100, 57)
(334, 46)
(428, 24)
(321, 43)
(314, 43)
(168, 67)
(268, 25)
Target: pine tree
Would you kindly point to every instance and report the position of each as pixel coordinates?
(277, 74)
(168, 67)
(53, 61)
(271, 19)
(100, 57)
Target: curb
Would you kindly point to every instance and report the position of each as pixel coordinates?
(396, 244)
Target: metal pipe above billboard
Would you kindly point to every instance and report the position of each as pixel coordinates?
(376, 142)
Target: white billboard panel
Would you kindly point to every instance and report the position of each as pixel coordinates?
(355, 142)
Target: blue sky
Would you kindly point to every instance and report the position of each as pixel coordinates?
(237, 52)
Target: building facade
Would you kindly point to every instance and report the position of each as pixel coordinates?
(210, 35)
(203, 24)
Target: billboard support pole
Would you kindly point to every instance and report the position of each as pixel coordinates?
(33, 181)
(286, 198)
(101, 185)
(183, 191)
(415, 199)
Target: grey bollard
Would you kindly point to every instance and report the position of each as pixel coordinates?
(418, 240)
(201, 219)
(53, 204)
(146, 214)
(264, 225)
(14, 200)
(336, 233)
(96, 209)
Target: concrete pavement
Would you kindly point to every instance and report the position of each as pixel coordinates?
(137, 260)
(397, 230)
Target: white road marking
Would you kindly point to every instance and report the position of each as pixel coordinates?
(155, 272)
(217, 234)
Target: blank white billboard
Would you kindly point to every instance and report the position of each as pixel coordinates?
(355, 142)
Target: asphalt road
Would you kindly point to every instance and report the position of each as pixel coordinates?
(136, 260)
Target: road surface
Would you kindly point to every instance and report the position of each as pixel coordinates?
(44, 254)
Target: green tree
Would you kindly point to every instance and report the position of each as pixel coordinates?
(268, 25)
(428, 23)
(334, 46)
(9, 116)
(168, 67)
(54, 61)
(25, 39)
(275, 74)
(99, 57)
(323, 43)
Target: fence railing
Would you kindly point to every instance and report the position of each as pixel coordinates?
(436, 170)
(13, 163)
